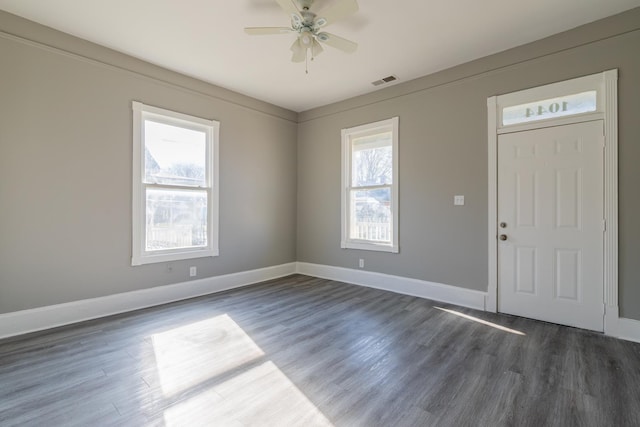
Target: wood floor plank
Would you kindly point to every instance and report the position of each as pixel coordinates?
(303, 351)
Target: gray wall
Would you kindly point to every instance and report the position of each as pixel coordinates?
(66, 167)
(65, 164)
(443, 152)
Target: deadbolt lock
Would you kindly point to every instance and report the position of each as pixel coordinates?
(503, 225)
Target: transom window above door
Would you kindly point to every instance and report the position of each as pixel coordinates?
(568, 105)
(580, 99)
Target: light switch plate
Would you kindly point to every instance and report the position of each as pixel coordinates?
(458, 200)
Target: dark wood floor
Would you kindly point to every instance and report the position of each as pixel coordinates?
(304, 351)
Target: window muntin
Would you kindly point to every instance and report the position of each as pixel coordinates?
(369, 218)
(175, 209)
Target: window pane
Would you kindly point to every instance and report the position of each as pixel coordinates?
(371, 215)
(568, 105)
(372, 160)
(176, 219)
(174, 155)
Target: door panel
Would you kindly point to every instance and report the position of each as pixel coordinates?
(525, 270)
(550, 199)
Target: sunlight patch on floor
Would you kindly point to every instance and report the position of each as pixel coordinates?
(484, 322)
(192, 354)
(262, 395)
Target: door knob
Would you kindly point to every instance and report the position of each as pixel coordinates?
(503, 237)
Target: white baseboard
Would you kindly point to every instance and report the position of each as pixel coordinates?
(37, 319)
(629, 329)
(401, 285)
(619, 327)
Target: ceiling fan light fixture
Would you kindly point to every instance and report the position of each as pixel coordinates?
(299, 52)
(306, 37)
(306, 24)
(316, 49)
(295, 47)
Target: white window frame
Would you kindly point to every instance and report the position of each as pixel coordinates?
(348, 134)
(211, 128)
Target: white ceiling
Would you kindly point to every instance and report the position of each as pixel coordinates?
(406, 38)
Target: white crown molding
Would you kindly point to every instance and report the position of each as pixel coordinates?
(401, 285)
(90, 53)
(37, 319)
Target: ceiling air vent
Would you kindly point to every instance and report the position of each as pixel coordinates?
(384, 80)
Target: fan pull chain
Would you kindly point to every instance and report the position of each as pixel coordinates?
(306, 61)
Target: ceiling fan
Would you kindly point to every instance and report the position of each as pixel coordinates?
(308, 26)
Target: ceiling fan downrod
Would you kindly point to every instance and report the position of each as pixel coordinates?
(305, 4)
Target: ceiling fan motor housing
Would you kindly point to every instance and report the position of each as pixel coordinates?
(307, 17)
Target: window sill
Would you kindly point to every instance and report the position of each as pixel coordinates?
(172, 256)
(366, 246)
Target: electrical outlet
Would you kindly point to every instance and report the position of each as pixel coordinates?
(361, 263)
(193, 271)
(458, 200)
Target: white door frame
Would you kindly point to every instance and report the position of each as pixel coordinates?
(606, 86)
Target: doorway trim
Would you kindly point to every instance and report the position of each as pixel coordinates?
(606, 86)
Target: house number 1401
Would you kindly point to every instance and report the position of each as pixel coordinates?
(553, 108)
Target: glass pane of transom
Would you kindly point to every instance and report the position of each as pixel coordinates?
(371, 215)
(175, 219)
(372, 160)
(174, 155)
(568, 105)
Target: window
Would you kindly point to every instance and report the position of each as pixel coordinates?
(568, 105)
(370, 186)
(175, 186)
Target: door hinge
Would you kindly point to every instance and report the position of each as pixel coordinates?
(604, 225)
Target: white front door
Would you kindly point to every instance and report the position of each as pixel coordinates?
(550, 224)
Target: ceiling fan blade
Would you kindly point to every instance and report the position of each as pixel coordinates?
(338, 42)
(299, 51)
(289, 6)
(340, 10)
(259, 31)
